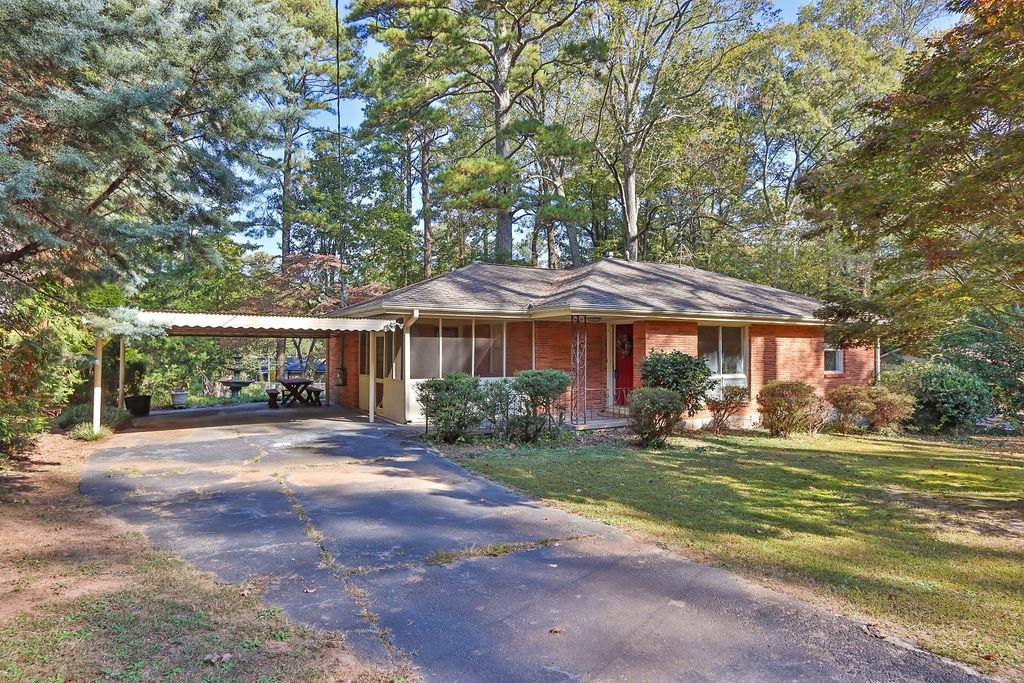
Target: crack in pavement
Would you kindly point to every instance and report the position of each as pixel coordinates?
(327, 559)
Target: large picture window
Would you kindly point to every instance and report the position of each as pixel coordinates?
(724, 349)
(441, 347)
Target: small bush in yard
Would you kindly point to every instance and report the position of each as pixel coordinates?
(451, 405)
(686, 375)
(888, 408)
(654, 413)
(540, 391)
(500, 405)
(81, 413)
(946, 397)
(790, 408)
(732, 400)
(83, 432)
(852, 404)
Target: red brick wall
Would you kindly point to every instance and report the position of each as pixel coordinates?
(519, 347)
(858, 368)
(345, 354)
(553, 353)
(661, 335)
(789, 352)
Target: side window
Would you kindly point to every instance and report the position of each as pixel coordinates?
(833, 360)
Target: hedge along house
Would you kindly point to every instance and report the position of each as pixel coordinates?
(596, 322)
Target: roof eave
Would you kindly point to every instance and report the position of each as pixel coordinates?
(723, 316)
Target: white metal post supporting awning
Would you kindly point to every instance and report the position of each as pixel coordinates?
(176, 323)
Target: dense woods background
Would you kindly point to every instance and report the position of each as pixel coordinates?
(863, 153)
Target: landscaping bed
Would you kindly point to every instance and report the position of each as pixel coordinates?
(922, 536)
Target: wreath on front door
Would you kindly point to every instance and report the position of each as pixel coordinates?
(624, 345)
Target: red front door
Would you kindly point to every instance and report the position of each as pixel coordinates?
(623, 362)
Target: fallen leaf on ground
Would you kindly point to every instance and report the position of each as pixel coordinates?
(556, 630)
(874, 630)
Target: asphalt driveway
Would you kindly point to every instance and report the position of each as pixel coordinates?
(362, 529)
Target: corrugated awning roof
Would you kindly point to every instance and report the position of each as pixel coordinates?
(242, 325)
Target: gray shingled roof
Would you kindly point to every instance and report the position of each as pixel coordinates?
(607, 286)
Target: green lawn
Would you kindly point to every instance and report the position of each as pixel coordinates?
(923, 536)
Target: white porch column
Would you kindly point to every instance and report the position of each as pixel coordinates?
(97, 387)
(371, 356)
(120, 374)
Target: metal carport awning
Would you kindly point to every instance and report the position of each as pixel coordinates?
(244, 325)
(181, 324)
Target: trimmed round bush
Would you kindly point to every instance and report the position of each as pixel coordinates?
(684, 374)
(852, 404)
(451, 405)
(541, 391)
(888, 409)
(790, 408)
(654, 414)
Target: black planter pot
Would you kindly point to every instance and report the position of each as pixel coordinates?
(138, 405)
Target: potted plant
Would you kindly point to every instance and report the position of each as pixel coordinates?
(137, 403)
(179, 399)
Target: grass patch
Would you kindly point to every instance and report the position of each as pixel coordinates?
(446, 557)
(84, 432)
(925, 536)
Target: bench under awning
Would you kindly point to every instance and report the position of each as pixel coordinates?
(243, 325)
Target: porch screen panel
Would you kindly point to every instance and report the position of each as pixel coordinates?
(399, 341)
(424, 350)
(456, 348)
(364, 353)
(490, 350)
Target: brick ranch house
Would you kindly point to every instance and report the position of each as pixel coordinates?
(596, 322)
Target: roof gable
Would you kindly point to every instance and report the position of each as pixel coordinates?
(609, 286)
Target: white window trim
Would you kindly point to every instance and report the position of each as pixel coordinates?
(745, 341)
(839, 360)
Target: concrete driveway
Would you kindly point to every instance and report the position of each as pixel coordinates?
(359, 528)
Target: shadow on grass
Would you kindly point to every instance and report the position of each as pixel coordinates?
(867, 519)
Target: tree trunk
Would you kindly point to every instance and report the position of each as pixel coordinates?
(502, 119)
(462, 237)
(570, 226)
(286, 223)
(629, 208)
(407, 171)
(428, 230)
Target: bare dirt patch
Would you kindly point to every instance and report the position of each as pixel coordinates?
(84, 597)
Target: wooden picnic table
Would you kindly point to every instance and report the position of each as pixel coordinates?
(297, 390)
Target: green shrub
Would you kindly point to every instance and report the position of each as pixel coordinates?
(451, 405)
(81, 413)
(654, 414)
(888, 409)
(83, 432)
(722, 408)
(500, 404)
(540, 392)
(946, 397)
(686, 375)
(852, 404)
(790, 408)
